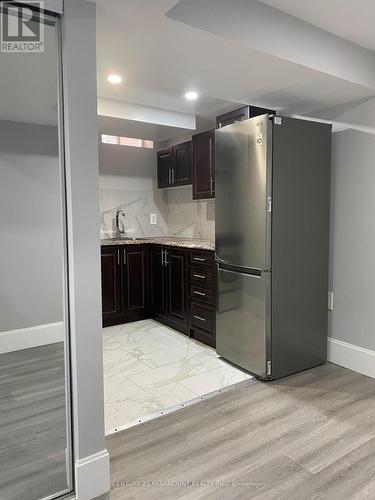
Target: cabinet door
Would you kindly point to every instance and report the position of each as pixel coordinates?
(182, 164)
(135, 259)
(237, 115)
(165, 167)
(111, 283)
(177, 289)
(204, 165)
(158, 281)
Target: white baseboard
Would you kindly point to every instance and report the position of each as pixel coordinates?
(351, 356)
(92, 476)
(26, 338)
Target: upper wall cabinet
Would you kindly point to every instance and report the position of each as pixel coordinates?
(238, 115)
(165, 167)
(204, 165)
(182, 164)
(174, 166)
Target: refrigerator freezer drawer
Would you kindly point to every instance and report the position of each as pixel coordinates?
(242, 319)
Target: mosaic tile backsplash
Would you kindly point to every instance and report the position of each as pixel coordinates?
(177, 213)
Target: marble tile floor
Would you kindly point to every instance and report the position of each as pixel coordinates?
(150, 368)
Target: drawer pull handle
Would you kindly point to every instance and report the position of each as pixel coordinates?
(200, 319)
(200, 276)
(199, 293)
(199, 259)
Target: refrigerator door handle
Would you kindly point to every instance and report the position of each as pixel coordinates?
(250, 275)
(248, 271)
(219, 261)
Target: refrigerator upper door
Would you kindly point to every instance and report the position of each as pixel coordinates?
(242, 319)
(243, 193)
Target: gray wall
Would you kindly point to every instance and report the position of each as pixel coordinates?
(137, 165)
(353, 238)
(30, 226)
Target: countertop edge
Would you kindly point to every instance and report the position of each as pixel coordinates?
(192, 244)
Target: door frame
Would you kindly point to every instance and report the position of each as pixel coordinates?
(67, 305)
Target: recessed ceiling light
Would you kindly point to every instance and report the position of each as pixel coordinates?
(191, 96)
(114, 79)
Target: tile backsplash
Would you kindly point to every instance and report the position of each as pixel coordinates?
(137, 206)
(190, 218)
(177, 213)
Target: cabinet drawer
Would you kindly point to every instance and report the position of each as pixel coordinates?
(201, 258)
(203, 275)
(202, 317)
(205, 294)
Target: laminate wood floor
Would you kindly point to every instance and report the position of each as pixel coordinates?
(309, 436)
(32, 423)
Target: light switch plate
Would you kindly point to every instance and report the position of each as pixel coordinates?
(153, 219)
(330, 301)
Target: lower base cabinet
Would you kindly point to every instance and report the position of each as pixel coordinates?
(158, 281)
(125, 283)
(176, 286)
(169, 294)
(202, 298)
(111, 285)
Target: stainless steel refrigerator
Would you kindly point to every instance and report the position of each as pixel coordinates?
(272, 243)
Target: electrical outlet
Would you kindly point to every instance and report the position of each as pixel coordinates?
(330, 301)
(153, 219)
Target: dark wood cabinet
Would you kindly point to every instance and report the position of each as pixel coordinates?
(174, 166)
(158, 281)
(165, 167)
(169, 291)
(241, 114)
(203, 318)
(136, 279)
(204, 165)
(125, 283)
(182, 164)
(111, 284)
(177, 291)
(176, 286)
(203, 296)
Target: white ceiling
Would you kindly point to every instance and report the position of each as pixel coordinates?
(349, 19)
(161, 58)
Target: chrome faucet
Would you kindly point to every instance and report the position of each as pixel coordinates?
(120, 226)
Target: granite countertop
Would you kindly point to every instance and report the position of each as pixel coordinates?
(172, 241)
